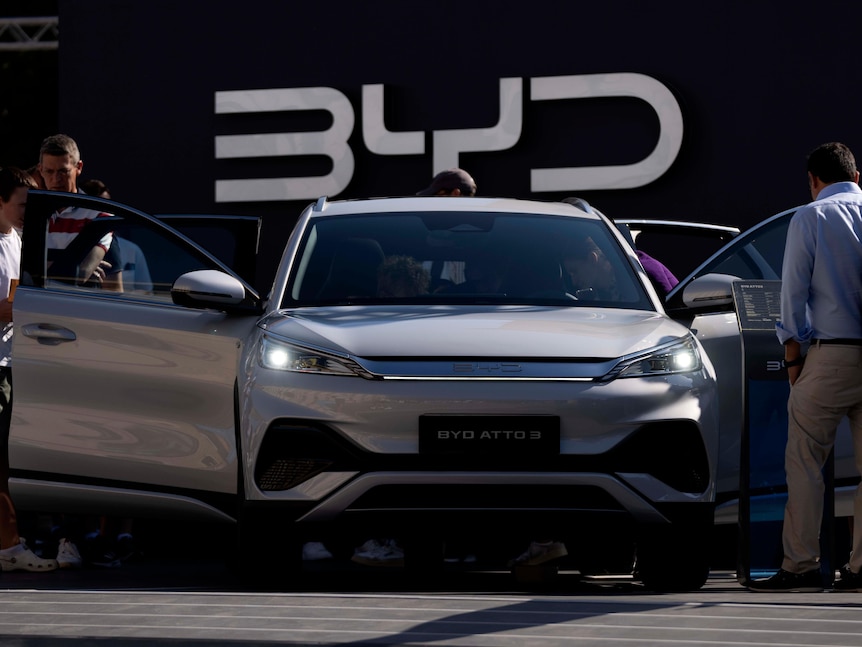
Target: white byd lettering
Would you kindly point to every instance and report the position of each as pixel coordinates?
(331, 142)
(487, 368)
(447, 144)
(455, 434)
(488, 434)
(626, 176)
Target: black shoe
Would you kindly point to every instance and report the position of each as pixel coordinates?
(127, 550)
(786, 582)
(98, 552)
(104, 560)
(848, 580)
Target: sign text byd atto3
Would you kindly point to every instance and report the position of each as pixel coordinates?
(488, 434)
(447, 144)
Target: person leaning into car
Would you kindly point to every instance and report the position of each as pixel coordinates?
(821, 310)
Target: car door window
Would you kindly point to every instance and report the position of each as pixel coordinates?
(146, 255)
(760, 258)
(756, 254)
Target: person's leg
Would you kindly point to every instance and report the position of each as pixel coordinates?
(826, 390)
(855, 561)
(97, 547)
(125, 545)
(125, 526)
(14, 554)
(810, 437)
(8, 519)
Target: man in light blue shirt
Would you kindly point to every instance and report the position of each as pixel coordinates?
(821, 312)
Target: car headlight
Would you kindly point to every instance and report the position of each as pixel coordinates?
(680, 356)
(281, 356)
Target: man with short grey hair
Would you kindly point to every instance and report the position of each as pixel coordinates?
(60, 165)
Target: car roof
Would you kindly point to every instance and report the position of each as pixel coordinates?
(445, 203)
(682, 224)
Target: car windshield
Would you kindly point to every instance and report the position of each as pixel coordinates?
(456, 257)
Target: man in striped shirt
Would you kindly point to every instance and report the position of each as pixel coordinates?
(60, 165)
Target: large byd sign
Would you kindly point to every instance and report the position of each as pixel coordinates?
(447, 144)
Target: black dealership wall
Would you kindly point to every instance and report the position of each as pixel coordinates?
(759, 84)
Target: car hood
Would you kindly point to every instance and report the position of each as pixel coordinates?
(440, 331)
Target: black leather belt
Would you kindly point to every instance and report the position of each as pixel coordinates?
(844, 342)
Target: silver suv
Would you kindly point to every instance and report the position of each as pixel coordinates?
(440, 367)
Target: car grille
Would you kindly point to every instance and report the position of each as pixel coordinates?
(283, 473)
(486, 497)
(293, 452)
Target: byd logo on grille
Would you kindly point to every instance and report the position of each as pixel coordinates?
(447, 144)
(486, 368)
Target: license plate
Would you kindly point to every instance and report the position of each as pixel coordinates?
(492, 435)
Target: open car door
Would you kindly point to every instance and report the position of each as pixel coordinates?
(124, 400)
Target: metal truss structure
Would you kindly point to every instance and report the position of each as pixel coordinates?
(28, 34)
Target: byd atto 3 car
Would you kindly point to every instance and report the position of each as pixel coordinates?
(432, 367)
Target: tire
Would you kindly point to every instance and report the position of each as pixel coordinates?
(423, 557)
(266, 557)
(674, 558)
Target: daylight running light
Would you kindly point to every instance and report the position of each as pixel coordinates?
(679, 357)
(286, 357)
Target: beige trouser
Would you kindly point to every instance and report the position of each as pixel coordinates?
(829, 388)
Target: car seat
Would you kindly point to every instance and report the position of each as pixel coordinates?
(353, 271)
(535, 276)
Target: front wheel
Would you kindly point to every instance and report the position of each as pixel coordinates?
(674, 558)
(267, 556)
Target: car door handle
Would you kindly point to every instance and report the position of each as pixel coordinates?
(50, 334)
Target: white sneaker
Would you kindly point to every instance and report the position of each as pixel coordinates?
(21, 558)
(313, 551)
(539, 553)
(375, 553)
(68, 555)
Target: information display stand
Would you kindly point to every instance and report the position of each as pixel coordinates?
(762, 485)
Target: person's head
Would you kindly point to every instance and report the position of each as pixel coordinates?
(96, 188)
(452, 182)
(586, 264)
(34, 173)
(402, 276)
(830, 163)
(14, 184)
(60, 163)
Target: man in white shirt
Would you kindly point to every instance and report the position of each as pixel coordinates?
(14, 184)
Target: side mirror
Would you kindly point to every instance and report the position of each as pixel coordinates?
(207, 289)
(709, 290)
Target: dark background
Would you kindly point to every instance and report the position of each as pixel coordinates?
(759, 85)
(28, 91)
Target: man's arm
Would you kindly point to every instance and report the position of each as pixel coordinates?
(5, 310)
(793, 359)
(796, 282)
(90, 268)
